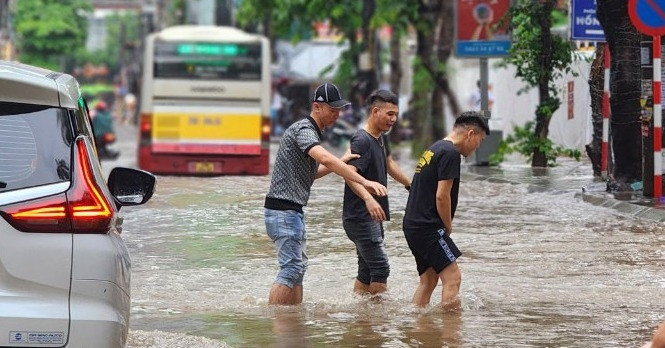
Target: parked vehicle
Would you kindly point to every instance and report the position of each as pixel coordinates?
(340, 133)
(342, 130)
(64, 268)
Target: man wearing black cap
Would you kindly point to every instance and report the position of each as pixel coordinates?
(296, 166)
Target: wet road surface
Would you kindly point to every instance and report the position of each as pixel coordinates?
(540, 269)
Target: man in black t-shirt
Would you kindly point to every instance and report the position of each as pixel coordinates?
(363, 212)
(431, 207)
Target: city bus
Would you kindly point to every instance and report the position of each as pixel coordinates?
(205, 102)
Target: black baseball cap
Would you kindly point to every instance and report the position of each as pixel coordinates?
(329, 94)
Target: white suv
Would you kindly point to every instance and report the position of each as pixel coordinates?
(64, 269)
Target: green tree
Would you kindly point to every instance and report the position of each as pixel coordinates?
(346, 16)
(50, 30)
(396, 14)
(432, 19)
(122, 34)
(540, 58)
(434, 25)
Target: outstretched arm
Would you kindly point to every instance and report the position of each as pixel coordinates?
(323, 170)
(342, 169)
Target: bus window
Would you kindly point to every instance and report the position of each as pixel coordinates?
(207, 61)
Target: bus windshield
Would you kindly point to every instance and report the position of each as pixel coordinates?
(208, 61)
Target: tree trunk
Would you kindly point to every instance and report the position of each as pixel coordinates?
(544, 115)
(268, 31)
(435, 36)
(441, 38)
(596, 83)
(369, 49)
(395, 78)
(438, 113)
(447, 37)
(422, 89)
(395, 62)
(625, 89)
(422, 135)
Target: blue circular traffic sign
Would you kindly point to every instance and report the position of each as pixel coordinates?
(648, 16)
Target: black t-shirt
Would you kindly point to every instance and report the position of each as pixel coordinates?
(441, 161)
(372, 166)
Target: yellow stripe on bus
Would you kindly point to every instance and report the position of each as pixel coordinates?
(175, 126)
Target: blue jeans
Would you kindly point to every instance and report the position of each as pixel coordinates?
(286, 228)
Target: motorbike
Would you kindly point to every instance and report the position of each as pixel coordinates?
(339, 133)
(343, 129)
(102, 144)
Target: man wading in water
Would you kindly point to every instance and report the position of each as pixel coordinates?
(296, 167)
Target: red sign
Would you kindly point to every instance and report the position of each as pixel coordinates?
(478, 31)
(478, 19)
(648, 16)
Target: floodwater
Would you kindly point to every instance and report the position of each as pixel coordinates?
(540, 269)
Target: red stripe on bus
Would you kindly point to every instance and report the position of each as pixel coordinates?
(228, 149)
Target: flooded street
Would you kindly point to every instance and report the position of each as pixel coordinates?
(540, 269)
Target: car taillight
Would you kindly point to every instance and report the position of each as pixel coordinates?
(89, 208)
(83, 208)
(40, 215)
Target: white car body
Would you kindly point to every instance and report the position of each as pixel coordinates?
(60, 288)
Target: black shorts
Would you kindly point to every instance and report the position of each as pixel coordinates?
(431, 248)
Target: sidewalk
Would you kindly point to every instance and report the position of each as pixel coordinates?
(571, 176)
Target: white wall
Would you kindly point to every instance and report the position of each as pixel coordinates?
(511, 109)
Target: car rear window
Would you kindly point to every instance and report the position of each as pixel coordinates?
(35, 145)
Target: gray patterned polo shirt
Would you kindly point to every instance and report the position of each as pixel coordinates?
(294, 171)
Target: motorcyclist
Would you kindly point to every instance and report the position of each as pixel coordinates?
(102, 125)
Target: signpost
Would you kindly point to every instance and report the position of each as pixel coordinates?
(648, 16)
(482, 31)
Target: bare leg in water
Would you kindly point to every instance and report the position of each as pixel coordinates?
(451, 279)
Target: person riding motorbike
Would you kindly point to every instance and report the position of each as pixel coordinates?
(102, 127)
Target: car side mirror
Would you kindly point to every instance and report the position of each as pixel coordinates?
(131, 186)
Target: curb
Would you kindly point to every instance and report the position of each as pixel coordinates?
(602, 199)
(634, 210)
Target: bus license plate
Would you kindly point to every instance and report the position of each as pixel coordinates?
(205, 167)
